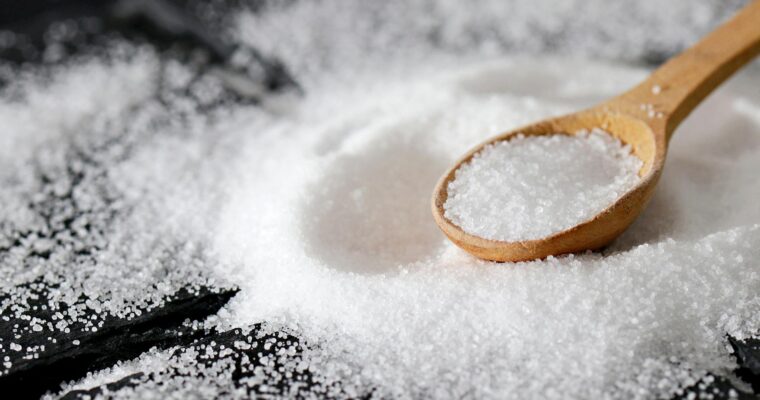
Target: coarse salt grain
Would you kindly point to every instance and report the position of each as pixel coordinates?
(532, 187)
(326, 213)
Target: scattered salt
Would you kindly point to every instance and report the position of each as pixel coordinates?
(318, 209)
(651, 111)
(532, 187)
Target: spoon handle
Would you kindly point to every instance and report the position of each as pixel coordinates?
(677, 87)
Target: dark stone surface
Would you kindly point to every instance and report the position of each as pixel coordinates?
(747, 354)
(242, 352)
(174, 26)
(116, 339)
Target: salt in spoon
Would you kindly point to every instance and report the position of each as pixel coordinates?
(644, 118)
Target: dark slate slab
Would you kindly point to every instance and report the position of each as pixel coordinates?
(41, 361)
(747, 354)
(169, 25)
(241, 353)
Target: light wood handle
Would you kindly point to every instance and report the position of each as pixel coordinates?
(679, 85)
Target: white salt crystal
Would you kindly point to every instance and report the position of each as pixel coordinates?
(532, 187)
(320, 212)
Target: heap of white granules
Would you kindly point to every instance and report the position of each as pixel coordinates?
(318, 208)
(532, 187)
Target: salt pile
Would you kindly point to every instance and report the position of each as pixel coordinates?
(340, 247)
(82, 184)
(532, 187)
(318, 211)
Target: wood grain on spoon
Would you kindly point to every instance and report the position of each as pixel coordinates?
(644, 117)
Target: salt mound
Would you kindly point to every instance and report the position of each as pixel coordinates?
(323, 219)
(340, 246)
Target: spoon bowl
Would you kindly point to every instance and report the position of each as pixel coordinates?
(643, 118)
(589, 235)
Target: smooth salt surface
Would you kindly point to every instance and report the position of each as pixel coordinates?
(531, 187)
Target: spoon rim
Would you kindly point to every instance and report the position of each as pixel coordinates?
(470, 241)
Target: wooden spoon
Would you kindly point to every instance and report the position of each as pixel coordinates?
(644, 117)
